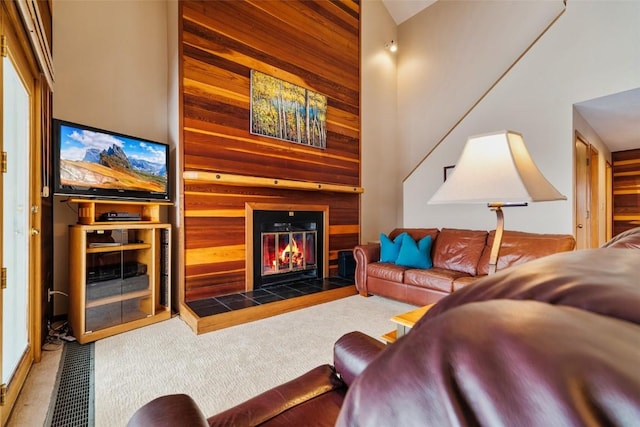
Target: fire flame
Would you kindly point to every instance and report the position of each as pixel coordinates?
(291, 252)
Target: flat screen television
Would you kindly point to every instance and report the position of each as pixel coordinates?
(98, 163)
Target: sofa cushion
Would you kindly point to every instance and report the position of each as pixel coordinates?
(434, 278)
(458, 250)
(519, 247)
(415, 254)
(416, 233)
(386, 271)
(463, 282)
(389, 249)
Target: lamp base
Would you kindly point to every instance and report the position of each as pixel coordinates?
(497, 239)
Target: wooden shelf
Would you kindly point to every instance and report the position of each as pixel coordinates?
(115, 248)
(627, 217)
(89, 211)
(256, 181)
(117, 298)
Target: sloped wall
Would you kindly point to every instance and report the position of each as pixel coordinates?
(589, 52)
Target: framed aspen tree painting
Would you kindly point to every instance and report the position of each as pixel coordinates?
(286, 111)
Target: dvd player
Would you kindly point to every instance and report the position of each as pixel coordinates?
(119, 216)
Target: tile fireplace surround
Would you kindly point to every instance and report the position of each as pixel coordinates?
(273, 293)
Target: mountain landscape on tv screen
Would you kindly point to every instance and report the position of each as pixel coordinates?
(112, 169)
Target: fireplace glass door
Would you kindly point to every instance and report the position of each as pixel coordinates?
(287, 246)
(285, 252)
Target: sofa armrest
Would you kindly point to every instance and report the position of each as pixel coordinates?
(171, 410)
(364, 254)
(353, 352)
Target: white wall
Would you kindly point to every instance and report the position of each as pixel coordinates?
(174, 126)
(381, 202)
(591, 51)
(111, 72)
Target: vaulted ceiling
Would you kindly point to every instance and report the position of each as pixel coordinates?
(615, 118)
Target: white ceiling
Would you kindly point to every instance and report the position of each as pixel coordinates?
(615, 118)
(401, 10)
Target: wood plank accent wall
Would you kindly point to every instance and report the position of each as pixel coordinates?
(626, 190)
(314, 44)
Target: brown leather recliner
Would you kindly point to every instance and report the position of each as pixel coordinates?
(553, 342)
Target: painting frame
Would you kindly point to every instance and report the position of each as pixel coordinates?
(288, 112)
(448, 170)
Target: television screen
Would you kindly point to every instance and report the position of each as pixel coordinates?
(98, 163)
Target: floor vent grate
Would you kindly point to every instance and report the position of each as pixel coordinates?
(73, 398)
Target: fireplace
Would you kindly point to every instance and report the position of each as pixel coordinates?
(287, 246)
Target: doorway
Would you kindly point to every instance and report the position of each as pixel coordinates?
(19, 216)
(587, 218)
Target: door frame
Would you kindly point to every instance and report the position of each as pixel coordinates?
(22, 57)
(594, 196)
(608, 200)
(581, 202)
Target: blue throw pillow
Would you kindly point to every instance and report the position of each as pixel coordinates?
(415, 255)
(389, 249)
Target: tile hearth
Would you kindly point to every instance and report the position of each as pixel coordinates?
(227, 303)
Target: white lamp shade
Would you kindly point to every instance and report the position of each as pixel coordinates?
(496, 168)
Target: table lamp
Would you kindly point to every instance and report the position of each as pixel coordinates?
(496, 169)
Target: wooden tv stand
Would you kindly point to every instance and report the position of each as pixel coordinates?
(119, 271)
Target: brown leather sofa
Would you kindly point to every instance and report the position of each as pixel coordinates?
(553, 342)
(459, 258)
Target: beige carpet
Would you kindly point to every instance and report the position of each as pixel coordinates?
(223, 368)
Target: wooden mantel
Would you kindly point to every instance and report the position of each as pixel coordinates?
(255, 181)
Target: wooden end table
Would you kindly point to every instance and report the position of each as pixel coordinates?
(405, 322)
